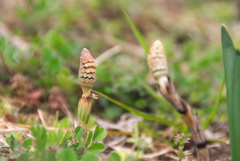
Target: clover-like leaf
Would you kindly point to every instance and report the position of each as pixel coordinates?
(99, 134)
(96, 148)
(78, 133)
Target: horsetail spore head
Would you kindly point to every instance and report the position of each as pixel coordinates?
(87, 71)
(157, 60)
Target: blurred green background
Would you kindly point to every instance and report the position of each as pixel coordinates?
(55, 32)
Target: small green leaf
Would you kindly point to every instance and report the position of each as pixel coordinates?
(52, 137)
(89, 157)
(96, 131)
(99, 134)
(74, 145)
(67, 155)
(114, 157)
(60, 136)
(64, 123)
(9, 140)
(89, 139)
(27, 144)
(40, 133)
(96, 148)
(67, 135)
(12, 142)
(79, 132)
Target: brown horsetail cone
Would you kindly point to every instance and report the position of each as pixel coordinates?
(87, 71)
(86, 77)
(157, 60)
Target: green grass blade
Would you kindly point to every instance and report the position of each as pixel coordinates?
(231, 59)
(235, 111)
(139, 113)
(137, 33)
(208, 121)
(229, 54)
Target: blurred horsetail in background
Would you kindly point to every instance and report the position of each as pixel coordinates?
(87, 72)
(157, 62)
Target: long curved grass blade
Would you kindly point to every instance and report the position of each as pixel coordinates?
(231, 59)
(229, 54)
(136, 32)
(207, 122)
(139, 113)
(235, 111)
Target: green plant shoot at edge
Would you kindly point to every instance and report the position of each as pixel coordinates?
(231, 59)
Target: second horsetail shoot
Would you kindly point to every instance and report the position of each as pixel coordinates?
(157, 63)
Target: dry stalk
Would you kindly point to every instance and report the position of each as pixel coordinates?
(107, 54)
(41, 116)
(157, 62)
(86, 77)
(13, 39)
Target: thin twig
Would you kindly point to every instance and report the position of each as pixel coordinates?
(4, 131)
(24, 128)
(107, 54)
(156, 154)
(15, 40)
(172, 156)
(134, 50)
(40, 113)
